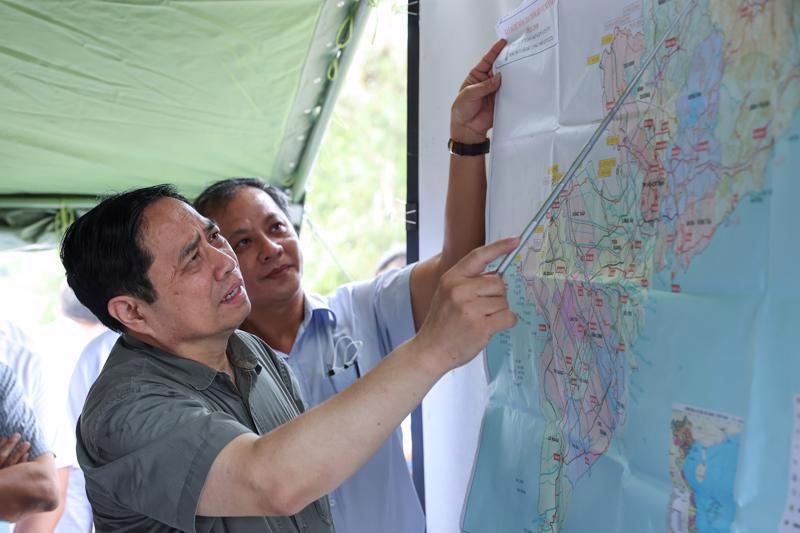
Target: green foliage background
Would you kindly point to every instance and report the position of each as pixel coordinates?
(356, 197)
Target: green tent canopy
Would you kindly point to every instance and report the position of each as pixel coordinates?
(101, 96)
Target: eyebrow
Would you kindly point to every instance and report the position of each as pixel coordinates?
(190, 248)
(242, 231)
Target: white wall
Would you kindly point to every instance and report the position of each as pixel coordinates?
(454, 36)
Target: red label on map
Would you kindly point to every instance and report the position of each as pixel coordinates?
(671, 42)
(759, 133)
(598, 302)
(623, 299)
(622, 347)
(588, 257)
(542, 327)
(645, 282)
(609, 105)
(556, 204)
(557, 457)
(744, 11)
(702, 146)
(654, 167)
(561, 269)
(637, 245)
(593, 325)
(568, 359)
(665, 126)
(661, 145)
(649, 123)
(676, 287)
(676, 151)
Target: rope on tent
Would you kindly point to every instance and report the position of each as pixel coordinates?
(63, 218)
(343, 37)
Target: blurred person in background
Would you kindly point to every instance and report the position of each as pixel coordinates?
(77, 517)
(28, 484)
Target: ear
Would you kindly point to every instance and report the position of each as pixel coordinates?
(129, 312)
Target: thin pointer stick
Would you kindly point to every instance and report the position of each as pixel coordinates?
(575, 166)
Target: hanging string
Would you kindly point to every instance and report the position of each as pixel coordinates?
(343, 37)
(63, 218)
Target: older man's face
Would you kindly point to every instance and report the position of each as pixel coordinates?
(266, 244)
(200, 291)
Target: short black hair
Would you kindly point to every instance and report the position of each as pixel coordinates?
(103, 254)
(217, 195)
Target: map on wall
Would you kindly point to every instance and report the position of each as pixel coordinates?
(651, 383)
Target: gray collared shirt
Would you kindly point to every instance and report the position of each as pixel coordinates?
(153, 424)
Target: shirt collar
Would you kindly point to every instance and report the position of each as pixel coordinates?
(194, 373)
(317, 306)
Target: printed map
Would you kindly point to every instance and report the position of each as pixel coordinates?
(650, 381)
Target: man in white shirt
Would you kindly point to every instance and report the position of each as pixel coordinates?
(77, 517)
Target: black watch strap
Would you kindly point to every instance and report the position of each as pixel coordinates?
(457, 148)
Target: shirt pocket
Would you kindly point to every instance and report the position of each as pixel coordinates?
(343, 378)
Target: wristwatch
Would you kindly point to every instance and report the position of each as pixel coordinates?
(457, 148)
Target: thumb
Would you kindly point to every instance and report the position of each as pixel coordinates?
(475, 262)
(484, 88)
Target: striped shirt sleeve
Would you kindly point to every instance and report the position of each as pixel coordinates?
(16, 416)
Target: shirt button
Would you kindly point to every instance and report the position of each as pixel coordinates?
(332, 501)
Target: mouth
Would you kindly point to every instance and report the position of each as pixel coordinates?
(275, 272)
(235, 291)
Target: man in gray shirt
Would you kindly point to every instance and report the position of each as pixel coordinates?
(195, 426)
(27, 471)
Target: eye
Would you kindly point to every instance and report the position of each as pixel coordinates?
(195, 257)
(279, 226)
(241, 244)
(215, 236)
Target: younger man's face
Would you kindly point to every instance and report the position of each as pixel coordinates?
(266, 245)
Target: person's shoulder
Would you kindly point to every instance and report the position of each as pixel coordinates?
(128, 405)
(8, 380)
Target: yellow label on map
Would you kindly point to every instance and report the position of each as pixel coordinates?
(612, 140)
(607, 39)
(553, 170)
(606, 167)
(593, 60)
(539, 229)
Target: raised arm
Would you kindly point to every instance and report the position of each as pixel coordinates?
(470, 119)
(283, 471)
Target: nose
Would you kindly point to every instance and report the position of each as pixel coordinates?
(268, 249)
(225, 262)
